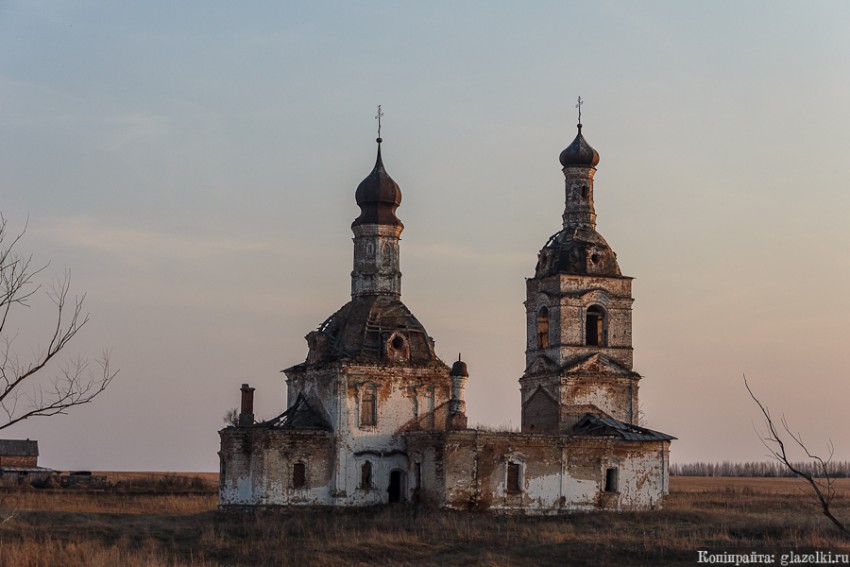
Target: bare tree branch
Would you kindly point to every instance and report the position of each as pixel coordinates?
(25, 390)
(822, 482)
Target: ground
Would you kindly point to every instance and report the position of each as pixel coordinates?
(171, 521)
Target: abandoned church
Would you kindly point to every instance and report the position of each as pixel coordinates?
(374, 416)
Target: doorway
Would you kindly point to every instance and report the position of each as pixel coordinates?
(396, 487)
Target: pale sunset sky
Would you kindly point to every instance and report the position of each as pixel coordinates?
(194, 165)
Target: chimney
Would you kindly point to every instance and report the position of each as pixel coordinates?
(246, 413)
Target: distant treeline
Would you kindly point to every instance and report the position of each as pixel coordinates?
(838, 469)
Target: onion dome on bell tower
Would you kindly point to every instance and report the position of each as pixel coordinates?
(376, 233)
(578, 248)
(579, 161)
(578, 315)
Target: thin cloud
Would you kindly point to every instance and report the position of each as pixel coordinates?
(93, 234)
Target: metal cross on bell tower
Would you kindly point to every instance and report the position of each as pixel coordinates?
(378, 118)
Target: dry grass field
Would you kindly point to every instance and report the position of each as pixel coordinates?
(157, 528)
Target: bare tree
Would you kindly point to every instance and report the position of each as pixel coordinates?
(231, 417)
(821, 481)
(43, 383)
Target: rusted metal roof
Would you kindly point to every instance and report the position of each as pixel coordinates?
(603, 425)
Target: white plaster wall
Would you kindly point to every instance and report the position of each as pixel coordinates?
(239, 491)
(581, 494)
(399, 403)
(544, 491)
(643, 479)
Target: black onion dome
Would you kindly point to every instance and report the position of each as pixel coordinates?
(459, 369)
(579, 250)
(579, 153)
(378, 197)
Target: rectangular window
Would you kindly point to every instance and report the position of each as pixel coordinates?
(611, 480)
(513, 478)
(299, 475)
(368, 407)
(417, 475)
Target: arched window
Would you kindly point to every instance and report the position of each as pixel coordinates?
(543, 328)
(595, 331)
(366, 475)
(368, 406)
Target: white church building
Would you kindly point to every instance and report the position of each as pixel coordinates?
(374, 416)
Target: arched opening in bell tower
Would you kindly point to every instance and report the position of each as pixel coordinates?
(595, 329)
(543, 328)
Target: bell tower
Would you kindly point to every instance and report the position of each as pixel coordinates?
(578, 316)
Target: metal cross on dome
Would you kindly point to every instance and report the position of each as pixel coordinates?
(378, 117)
(578, 105)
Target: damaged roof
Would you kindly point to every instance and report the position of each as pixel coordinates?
(362, 329)
(301, 415)
(577, 250)
(603, 425)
